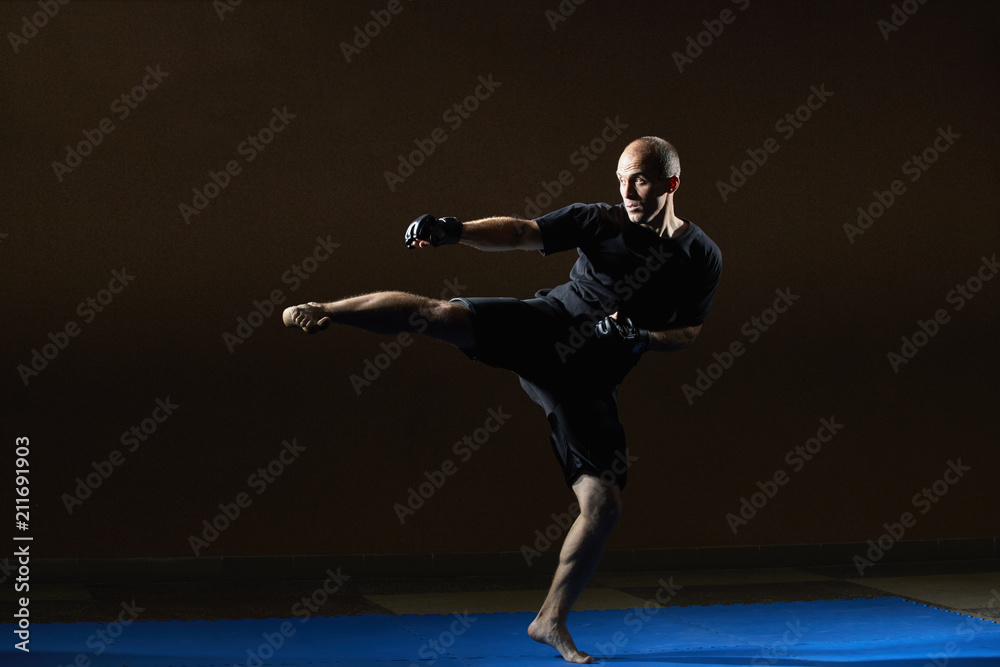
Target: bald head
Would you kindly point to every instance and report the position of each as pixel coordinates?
(648, 175)
(654, 150)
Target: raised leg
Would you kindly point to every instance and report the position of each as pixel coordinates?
(600, 507)
(387, 313)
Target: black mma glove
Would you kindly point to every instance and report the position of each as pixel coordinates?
(439, 231)
(624, 333)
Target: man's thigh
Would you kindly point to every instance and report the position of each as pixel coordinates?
(516, 335)
(586, 434)
(569, 374)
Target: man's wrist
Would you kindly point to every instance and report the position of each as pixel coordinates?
(452, 230)
(643, 339)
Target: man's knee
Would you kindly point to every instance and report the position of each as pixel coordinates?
(446, 320)
(435, 310)
(599, 502)
(607, 509)
(449, 312)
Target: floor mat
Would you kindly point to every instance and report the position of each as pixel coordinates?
(887, 632)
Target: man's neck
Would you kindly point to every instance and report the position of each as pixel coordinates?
(673, 227)
(665, 223)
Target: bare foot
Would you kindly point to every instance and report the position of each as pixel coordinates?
(307, 316)
(557, 636)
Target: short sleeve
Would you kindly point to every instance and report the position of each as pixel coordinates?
(572, 226)
(698, 299)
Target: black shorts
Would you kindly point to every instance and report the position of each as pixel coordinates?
(567, 371)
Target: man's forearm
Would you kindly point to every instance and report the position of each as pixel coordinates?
(501, 233)
(670, 340)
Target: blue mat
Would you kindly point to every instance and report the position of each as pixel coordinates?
(889, 632)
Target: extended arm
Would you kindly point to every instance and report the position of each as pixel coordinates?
(498, 233)
(502, 233)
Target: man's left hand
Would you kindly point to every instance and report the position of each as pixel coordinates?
(622, 331)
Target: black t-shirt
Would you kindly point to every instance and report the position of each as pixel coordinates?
(660, 283)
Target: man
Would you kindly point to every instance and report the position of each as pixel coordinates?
(644, 281)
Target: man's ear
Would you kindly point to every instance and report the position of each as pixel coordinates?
(667, 186)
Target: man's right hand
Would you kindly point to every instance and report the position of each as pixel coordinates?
(428, 230)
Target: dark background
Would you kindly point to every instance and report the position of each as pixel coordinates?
(324, 176)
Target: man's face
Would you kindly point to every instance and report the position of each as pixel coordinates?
(643, 191)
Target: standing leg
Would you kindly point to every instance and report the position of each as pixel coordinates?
(600, 507)
(388, 313)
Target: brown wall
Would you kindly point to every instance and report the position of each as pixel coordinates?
(324, 176)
